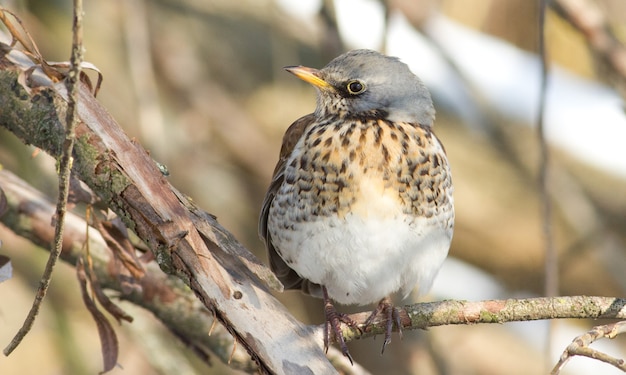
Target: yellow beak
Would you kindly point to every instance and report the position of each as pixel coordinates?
(309, 75)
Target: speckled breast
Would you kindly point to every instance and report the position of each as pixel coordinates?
(337, 165)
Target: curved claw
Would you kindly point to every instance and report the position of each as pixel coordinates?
(391, 314)
(333, 324)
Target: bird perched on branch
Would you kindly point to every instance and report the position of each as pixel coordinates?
(360, 205)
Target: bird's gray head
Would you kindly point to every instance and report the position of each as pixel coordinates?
(362, 81)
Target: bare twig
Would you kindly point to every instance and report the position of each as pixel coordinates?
(65, 166)
(580, 346)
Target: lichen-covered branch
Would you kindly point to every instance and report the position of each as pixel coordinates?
(432, 314)
(185, 241)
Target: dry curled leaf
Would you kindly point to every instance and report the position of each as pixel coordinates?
(35, 70)
(104, 300)
(64, 66)
(108, 340)
(119, 244)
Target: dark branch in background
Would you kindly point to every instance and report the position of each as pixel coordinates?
(608, 51)
(551, 262)
(332, 44)
(65, 165)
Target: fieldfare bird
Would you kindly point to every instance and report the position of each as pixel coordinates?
(360, 206)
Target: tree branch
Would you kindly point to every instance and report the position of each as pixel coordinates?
(28, 214)
(580, 346)
(432, 314)
(186, 241)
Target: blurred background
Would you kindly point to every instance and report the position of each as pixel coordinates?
(200, 85)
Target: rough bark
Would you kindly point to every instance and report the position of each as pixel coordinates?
(185, 241)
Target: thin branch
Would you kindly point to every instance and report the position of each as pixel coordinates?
(432, 314)
(65, 166)
(580, 347)
(551, 265)
(551, 262)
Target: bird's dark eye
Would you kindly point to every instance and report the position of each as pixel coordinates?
(355, 87)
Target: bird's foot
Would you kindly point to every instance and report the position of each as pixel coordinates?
(333, 324)
(391, 316)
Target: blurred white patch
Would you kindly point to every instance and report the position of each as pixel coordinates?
(482, 285)
(304, 9)
(582, 116)
(361, 23)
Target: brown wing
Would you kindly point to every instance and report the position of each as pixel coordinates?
(289, 277)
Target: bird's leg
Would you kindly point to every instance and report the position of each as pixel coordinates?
(333, 323)
(391, 314)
